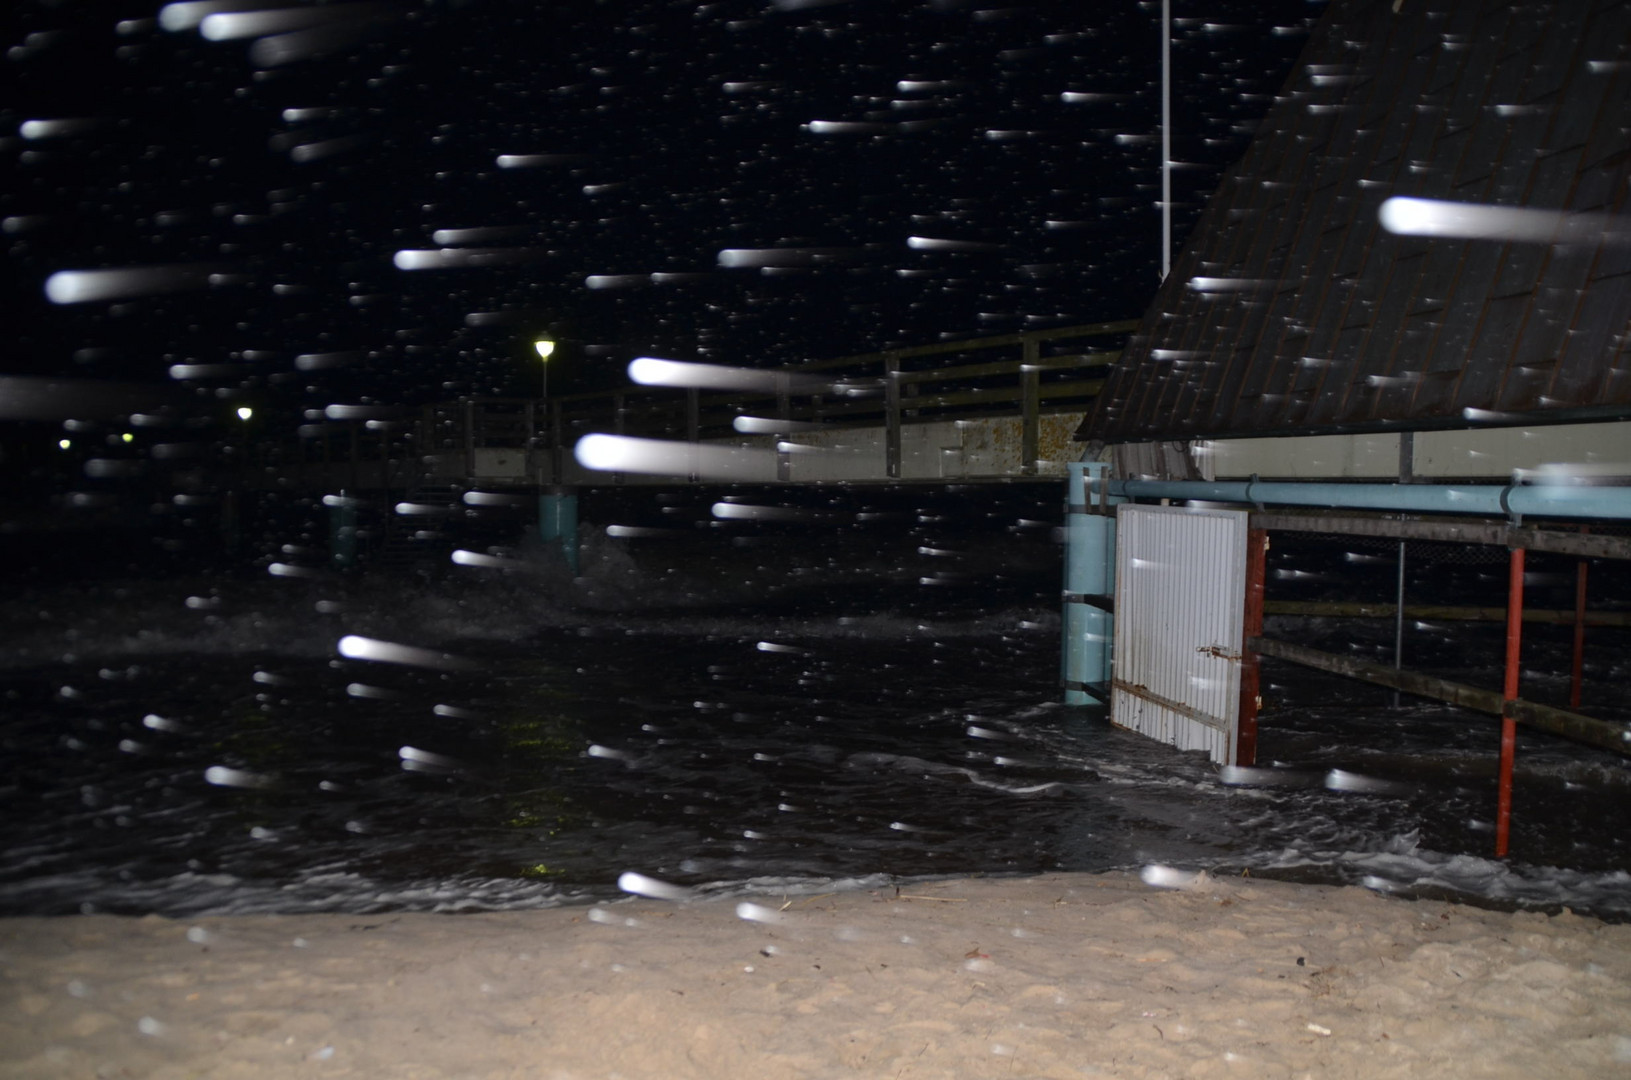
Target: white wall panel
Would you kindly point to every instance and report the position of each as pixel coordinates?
(1180, 603)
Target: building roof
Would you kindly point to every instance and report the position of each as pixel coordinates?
(1292, 310)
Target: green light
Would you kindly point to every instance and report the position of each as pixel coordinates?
(128, 437)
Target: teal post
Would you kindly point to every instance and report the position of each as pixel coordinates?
(1090, 585)
(558, 523)
(342, 529)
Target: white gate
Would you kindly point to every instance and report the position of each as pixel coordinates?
(1180, 606)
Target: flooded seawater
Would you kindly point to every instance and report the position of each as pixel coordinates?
(864, 687)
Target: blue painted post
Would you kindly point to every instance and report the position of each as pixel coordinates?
(342, 529)
(1090, 575)
(558, 523)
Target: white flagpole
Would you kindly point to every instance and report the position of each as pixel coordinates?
(1166, 138)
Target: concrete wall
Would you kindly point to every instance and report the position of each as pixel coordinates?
(1488, 453)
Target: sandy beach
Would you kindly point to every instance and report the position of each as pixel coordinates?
(1055, 976)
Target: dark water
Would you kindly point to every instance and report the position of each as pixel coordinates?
(785, 705)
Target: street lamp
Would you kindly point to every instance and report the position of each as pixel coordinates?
(545, 349)
(245, 412)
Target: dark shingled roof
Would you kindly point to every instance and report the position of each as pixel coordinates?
(1292, 311)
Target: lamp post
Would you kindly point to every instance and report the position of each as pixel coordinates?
(545, 349)
(557, 505)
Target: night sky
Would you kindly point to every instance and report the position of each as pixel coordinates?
(923, 171)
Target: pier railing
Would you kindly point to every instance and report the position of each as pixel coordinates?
(1050, 371)
(1029, 375)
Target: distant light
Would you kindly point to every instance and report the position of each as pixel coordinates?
(758, 913)
(461, 557)
(844, 127)
(454, 258)
(205, 371)
(932, 243)
(650, 371)
(231, 26)
(65, 444)
(760, 425)
(621, 453)
(478, 235)
(361, 648)
(641, 885)
(616, 281)
(85, 286)
(53, 129)
(221, 776)
(128, 437)
(1522, 224)
(189, 13)
(736, 258)
(732, 511)
(545, 347)
(1217, 284)
(412, 755)
(532, 161)
(244, 413)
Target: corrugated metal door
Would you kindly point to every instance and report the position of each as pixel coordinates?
(1180, 600)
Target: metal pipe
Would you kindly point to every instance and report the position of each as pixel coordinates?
(1509, 693)
(1398, 622)
(1577, 670)
(1504, 500)
(1090, 559)
(1251, 696)
(558, 524)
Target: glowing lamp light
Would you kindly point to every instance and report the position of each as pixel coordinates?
(128, 437)
(64, 444)
(245, 412)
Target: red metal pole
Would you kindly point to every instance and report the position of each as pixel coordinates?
(1509, 727)
(1577, 674)
(1251, 701)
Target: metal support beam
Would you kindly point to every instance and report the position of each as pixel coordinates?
(1357, 609)
(558, 524)
(1509, 693)
(556, 447)
(1398, 621)
(1030, 394)
(891, 392)
(1577, 667)
(1582, 545)
(1603, 734)
(693, 421)
(342, 531)
(1251, 698)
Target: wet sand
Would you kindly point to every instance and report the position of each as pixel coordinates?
(1054, 976)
